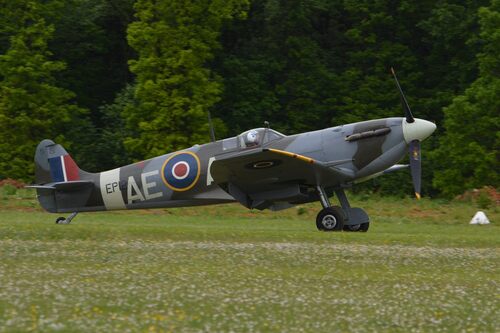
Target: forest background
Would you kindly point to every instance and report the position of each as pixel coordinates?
(117, 81)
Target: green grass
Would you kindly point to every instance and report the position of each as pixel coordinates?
(420, 268)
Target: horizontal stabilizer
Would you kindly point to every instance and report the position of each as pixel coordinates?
(64, 186)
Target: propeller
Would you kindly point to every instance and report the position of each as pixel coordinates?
(414, 146)
(404, 102)
(415, 166)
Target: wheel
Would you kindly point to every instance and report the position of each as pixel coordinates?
(363, 227)
(60, 220)
(353, 227)
(330, 219)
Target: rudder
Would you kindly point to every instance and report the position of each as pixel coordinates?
(54, 164)
(60, 184)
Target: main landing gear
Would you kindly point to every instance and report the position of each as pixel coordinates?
(334, 218)
(66, 220)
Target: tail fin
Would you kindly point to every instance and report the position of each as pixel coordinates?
(60, 184)
(54, 164)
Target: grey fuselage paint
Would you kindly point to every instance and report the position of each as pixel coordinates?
(146, 184)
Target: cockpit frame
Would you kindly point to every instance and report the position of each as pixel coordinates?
(258, 137)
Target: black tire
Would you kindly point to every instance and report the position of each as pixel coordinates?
(352, 228)
(330, 219)
(60, 220)
(363, 227)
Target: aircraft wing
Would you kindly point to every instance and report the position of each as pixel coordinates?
(263, 170)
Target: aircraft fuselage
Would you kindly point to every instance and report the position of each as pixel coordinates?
(183, 178)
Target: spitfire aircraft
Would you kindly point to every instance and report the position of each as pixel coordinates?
(260, 168)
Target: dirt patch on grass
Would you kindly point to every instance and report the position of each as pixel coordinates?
(12, 182)
(425, 213)
(475, 194)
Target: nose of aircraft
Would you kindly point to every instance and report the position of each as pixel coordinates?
(420, 129)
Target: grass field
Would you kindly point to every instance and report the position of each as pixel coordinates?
(420, 268)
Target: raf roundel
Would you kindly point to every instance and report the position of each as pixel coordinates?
(181, 171)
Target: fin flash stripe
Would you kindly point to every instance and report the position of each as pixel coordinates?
(63, 169)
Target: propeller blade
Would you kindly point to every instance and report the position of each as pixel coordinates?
(415, 166)
(404, 102)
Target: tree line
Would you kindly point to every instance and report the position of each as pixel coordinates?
(122, 80)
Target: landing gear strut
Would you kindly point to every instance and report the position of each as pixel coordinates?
(336, 218)
(329, 218)
(357, 218)
(66, 220)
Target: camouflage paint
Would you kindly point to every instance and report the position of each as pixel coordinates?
(144, 184)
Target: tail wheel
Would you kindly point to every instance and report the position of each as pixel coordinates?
(330, 219)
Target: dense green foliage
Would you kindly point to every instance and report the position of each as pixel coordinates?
(174, 40)
(32, 106)
(149, 71)
(469, 151)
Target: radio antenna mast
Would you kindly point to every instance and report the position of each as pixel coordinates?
(211, 125)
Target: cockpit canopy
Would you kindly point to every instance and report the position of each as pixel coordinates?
(258, 136)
